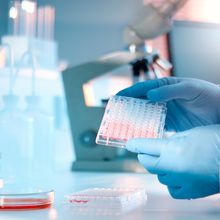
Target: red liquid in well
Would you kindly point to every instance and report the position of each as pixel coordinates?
(25, 204)
(78, 201)
(124, 135)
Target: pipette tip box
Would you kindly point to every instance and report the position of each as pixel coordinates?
(126, 118)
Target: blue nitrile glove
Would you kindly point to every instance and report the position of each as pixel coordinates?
(190, 102)
(188, 162)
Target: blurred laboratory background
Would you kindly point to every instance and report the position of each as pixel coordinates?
(52, 91)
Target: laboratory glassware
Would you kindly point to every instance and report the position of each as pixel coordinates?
(16, 142)
(43, 131)
(24, 164)
(30, 199)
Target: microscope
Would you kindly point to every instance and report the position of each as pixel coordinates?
(85, 120)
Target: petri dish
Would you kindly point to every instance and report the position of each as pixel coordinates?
(29, 200)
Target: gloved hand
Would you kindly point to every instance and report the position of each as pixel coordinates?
(188, 162)
(190, 102)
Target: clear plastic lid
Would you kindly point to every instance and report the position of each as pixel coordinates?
(108, 197)
(127, 118)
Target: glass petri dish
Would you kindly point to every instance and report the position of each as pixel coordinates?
(30, 200)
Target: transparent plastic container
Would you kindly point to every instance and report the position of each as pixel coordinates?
(26, 199)
(16, 143)
(42, 135)
(108, 197)
(127, 118)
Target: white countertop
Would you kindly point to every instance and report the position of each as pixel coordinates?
(159, 205)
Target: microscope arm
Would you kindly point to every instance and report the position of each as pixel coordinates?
(152, 22)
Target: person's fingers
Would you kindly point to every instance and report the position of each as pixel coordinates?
(169, 179)
(141, 89)
(150, 146)
(170, 124)
(150, 163)
(182, 90)
(179, 192)
(175, 191)
(163, 179)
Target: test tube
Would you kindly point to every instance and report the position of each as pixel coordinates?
(27, 21)
(49, 28)
(13, 17)
(45, 20)
(40, 22)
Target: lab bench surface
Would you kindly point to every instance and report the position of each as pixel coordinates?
(159, 205)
